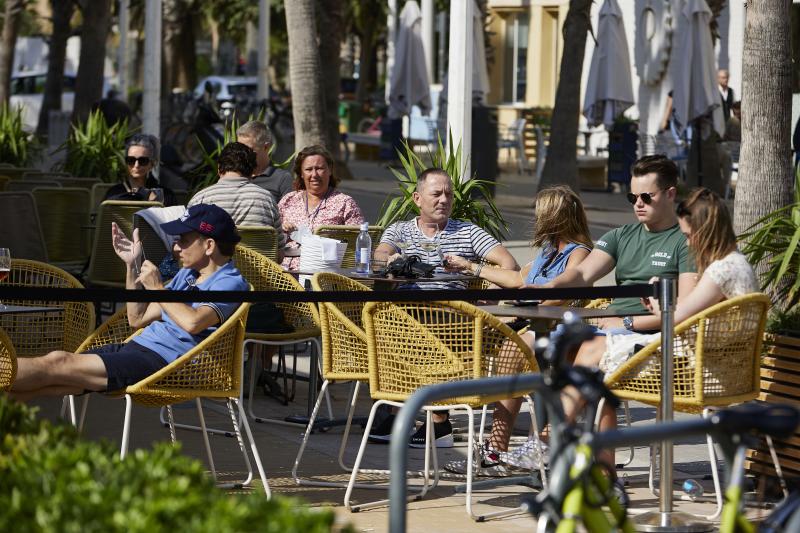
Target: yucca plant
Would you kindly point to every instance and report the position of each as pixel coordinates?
(472, 201)
(16, 145)
(775, 240)
(96, 150)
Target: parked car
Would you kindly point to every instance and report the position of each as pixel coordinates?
(27, 91)
(229, 91)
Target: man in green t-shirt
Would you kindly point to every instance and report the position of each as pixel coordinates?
(653, 247)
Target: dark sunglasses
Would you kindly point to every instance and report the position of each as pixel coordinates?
(131, 161)
(647, 197)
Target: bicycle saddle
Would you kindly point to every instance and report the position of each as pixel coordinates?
(776, 420)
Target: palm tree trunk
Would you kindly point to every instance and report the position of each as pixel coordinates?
(305, 73)
(53, 85)
(561, 165)
(765, 162)
(8, 42)
(330, 22)
(89, 81)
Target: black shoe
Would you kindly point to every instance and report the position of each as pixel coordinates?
(442, 433)
(382, 433)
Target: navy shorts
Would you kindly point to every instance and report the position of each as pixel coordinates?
(128, 363)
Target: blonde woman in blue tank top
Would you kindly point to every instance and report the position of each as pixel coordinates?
(561, 231)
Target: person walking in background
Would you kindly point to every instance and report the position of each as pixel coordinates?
(257, 136)
(725, 93)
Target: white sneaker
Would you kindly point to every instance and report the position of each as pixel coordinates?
(530, 456)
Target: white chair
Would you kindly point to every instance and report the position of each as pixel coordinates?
(514, 139)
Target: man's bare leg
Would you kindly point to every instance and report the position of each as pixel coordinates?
(74, 372)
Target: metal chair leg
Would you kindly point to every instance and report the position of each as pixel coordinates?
(126, 425)
(205, 437)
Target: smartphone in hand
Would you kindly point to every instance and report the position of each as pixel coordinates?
(525, 303)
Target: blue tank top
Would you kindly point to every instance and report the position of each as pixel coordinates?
(550, 263)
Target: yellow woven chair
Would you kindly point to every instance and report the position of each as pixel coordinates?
(30, 184)
(8, 362)
(18, 211)
(262, 239)
(63, 212)
(212, 369)
(98, 194)
(84, 183)
(35, 334)
(349, 234)
(105, 268)
(717, 357)
(344, 357)
(414, 344)
(267, 275)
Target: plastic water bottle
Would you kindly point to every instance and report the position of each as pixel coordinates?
(363, 250)
(691, 490)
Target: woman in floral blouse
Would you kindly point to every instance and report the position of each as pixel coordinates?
(315, 201)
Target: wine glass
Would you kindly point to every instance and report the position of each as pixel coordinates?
(430, 241)
(5, 266)
(402, 245)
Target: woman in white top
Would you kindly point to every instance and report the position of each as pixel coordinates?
(724, 273)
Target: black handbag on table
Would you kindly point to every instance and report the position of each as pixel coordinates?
(410, 267)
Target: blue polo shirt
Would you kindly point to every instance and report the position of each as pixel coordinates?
(165, 337)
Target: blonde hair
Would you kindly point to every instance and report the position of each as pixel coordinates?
(708, 217)
(559, 216)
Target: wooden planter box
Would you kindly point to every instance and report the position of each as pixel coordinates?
(780, 383)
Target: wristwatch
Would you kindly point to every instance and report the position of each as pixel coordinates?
(627, 322)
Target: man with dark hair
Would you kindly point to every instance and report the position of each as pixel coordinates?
(207, 239)
(653, 247)
(257, 136)
(247, 203)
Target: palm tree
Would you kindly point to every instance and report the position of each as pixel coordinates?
(8, 40)
(94, 33)
(765, 161)
(561, 165)
(53, 85)
(305, 73)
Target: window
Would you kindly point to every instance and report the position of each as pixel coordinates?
(515, 54)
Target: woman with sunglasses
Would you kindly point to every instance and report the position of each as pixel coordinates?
(141, 157)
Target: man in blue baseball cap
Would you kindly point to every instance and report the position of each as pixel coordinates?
(206, 238)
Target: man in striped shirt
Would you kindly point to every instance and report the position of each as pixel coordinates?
(434, 197)
(247, 203)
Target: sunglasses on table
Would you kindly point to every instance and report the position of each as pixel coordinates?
(646, 197)
(131, 161)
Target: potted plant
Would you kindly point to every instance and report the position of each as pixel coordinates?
(96, 150)
(774, 241)
(472, 201)
(16, 145)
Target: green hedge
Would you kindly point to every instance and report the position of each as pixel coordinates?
(51, 480)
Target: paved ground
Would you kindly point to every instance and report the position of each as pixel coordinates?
(442, 510)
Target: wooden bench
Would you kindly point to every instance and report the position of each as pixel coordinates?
(780, 383)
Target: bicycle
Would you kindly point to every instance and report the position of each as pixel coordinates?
(580, 489)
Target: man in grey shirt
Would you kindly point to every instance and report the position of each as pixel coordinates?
(257, 137)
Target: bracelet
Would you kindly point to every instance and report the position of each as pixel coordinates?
(477, 272)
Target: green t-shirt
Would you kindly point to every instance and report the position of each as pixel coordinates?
(640, 254)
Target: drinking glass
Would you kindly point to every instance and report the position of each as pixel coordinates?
(402, 245)
(5, 267)
(430, 241)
